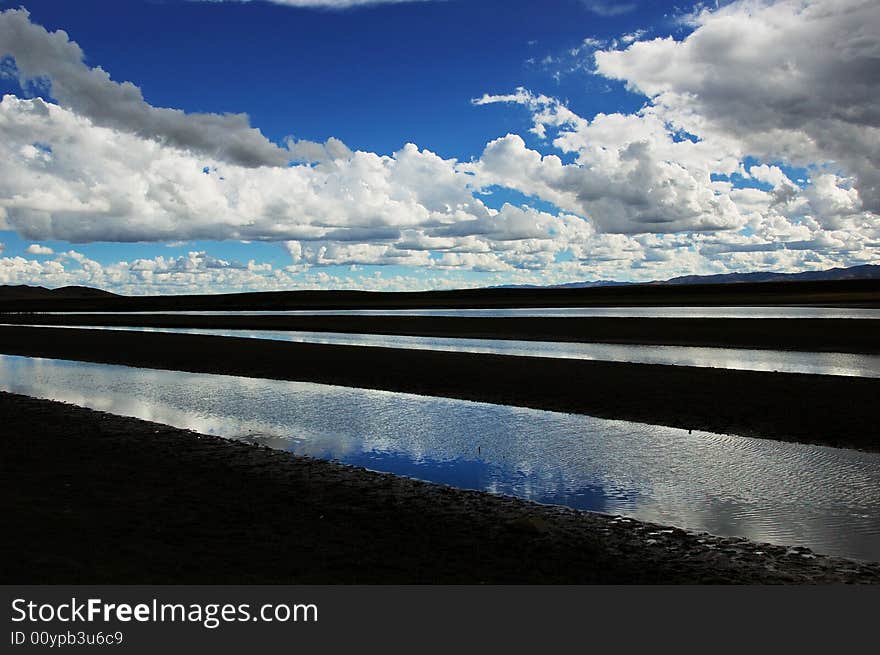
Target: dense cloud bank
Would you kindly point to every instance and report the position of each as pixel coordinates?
(663, 191)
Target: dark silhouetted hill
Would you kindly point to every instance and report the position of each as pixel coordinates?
(27, 292)
(863, 272)
(856, 286)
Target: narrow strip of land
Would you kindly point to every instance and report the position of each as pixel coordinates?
(808, 335)
(90, 498)
(830, 410)
(851, 293)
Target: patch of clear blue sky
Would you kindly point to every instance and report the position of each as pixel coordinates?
(797, 174)
(497, 196)
(376, 77)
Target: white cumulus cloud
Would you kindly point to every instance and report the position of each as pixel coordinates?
(644, 195)
(90, 92)
(791, 80)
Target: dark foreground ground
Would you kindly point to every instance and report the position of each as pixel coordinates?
(89, 497)
(821, 409)
(813, 335)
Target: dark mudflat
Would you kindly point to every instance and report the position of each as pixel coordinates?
(830, 410)
(813, 335)
(89, 497)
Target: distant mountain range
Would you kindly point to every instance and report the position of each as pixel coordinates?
(25, 292)
(863, 272)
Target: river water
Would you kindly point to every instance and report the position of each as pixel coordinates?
(786, 493)
(738, 311)
(848, 364)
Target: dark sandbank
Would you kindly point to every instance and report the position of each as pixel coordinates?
(808, 335)
(830, 410)
(89, 497)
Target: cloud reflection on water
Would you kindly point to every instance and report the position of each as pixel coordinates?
(824, 498)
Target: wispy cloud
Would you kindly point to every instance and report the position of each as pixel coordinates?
(326, 4)
(609, 7)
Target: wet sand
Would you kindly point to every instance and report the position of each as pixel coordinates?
(89, 497)
(809, 335)
(829, 410)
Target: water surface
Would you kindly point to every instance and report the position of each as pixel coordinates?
(793, 494)
(739, 311)
(848, 364)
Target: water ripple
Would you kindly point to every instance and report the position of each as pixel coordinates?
(820, 497)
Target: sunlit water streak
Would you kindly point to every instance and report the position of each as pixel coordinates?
(794, 494)
(739, 311)
(848, 364)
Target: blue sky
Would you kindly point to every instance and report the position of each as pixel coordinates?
(376, 76)
(554, 141)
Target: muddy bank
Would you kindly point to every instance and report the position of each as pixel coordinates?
(89, 497)
(810, 335)
(831, 410)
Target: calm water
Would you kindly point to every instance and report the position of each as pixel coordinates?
(734, 358)
(793, 494)
(646, 312)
